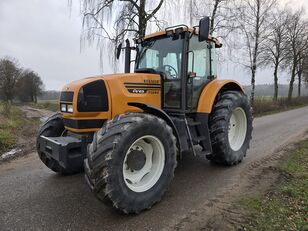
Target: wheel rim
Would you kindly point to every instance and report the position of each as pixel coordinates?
(142, 171)
(237, 129)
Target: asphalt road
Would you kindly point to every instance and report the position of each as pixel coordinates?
(34, 198)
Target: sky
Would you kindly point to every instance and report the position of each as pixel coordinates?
(45, 37)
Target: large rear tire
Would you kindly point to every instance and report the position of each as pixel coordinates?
(230, 126)
(53, 127)
(131, 162)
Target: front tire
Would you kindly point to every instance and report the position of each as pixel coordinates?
(230, 126)
(54, 127)
(131, 162)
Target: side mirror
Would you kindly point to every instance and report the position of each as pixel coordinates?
(204, 29)
(119, 48)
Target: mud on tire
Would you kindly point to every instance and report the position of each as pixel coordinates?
(219, 124)
(106, 154)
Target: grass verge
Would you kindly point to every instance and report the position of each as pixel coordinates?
(10, 123)
(285, 205)
(266, 106)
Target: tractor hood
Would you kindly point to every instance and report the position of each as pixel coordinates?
(102, 97)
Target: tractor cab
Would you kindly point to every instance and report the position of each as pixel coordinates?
(185, 63)
(184, 58)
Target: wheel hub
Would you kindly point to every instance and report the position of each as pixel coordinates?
(143, 163)
(136, 160)
(237, 129)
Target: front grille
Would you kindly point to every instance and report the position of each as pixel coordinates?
(67, 96)
(93, 97)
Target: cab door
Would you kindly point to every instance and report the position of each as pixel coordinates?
(199, 64)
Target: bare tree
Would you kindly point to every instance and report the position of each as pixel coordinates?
(221, 12)
(298, 46)
(252, 19)
(275, 45)
(130, 18)
(9, 75)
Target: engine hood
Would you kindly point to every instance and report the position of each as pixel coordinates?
(113, 95)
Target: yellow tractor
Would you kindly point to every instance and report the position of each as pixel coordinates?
(127, 130)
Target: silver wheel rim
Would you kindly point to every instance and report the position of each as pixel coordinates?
(145, 178)
(237, 129)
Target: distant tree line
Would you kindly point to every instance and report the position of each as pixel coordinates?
(18, 83)
(50, 95)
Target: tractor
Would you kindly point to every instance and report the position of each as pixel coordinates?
(127, 131)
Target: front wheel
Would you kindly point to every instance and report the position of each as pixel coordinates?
(230, 126)
(54, 127)
(131, 162)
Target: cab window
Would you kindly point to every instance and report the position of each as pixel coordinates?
(198, 62)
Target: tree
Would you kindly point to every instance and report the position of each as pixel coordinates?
(29, 86)
(275, 47)
(9, 75)
(298, 45)
(221, 12)
(131, 18)
(252, 19)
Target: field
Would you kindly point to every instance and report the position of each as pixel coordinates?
(51, 105)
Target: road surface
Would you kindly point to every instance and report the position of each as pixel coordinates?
(34, 198)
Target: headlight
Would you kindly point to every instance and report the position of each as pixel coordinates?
(70, 108)
(63, 108)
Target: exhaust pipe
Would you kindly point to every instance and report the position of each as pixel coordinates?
(127, 56)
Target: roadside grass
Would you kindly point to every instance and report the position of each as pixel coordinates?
(266, 106)
(10, 123)
(285, 205)
(51, 105)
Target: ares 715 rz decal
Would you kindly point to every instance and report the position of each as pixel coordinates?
(142, 88)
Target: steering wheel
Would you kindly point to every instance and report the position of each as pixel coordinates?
(169, 69)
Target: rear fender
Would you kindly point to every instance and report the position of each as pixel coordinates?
(211, 90)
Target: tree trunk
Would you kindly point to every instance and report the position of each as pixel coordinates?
(276, 83)
(253, 82)
(214, 15)
(290, 94)
(255, 54)
(299, 83)
(142, 19)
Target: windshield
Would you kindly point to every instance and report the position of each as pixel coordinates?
(162, 55)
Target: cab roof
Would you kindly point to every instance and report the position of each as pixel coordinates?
(195, 31)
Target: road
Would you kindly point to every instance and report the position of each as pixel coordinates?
(34, 198)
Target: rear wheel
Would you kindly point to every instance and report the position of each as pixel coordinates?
(131, 162)
(230, 128)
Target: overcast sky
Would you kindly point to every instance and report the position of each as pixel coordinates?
(45, 36)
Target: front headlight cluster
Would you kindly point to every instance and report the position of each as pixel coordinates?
(64, 107)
